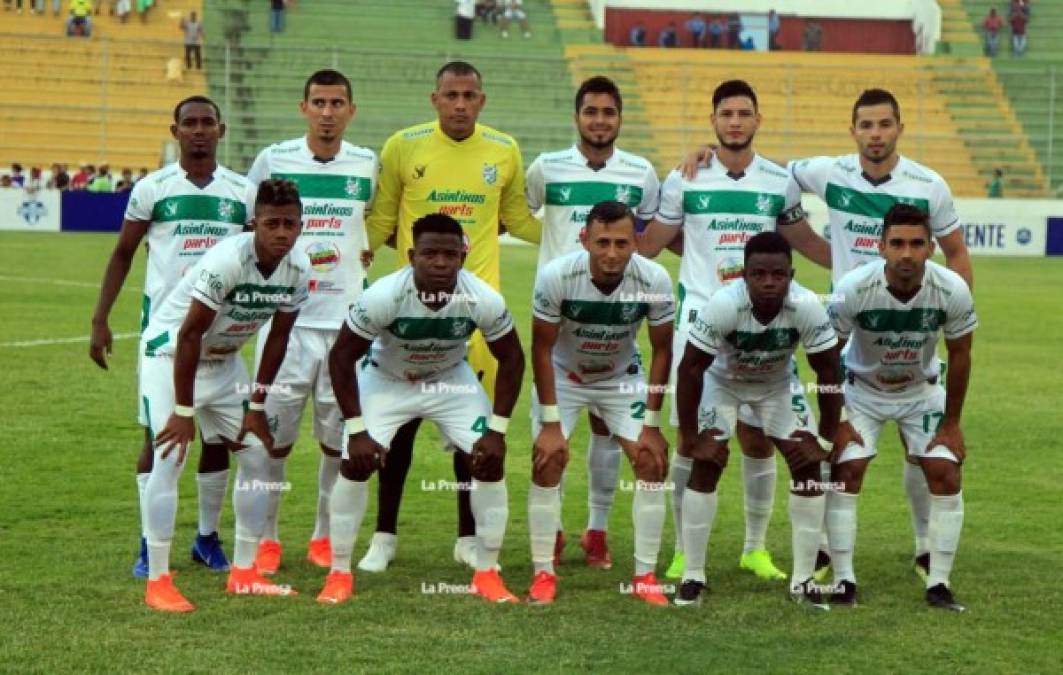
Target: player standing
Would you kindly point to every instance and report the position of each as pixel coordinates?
(336, 181)
(566, 184)
(182, 210)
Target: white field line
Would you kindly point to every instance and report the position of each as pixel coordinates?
(62, 341)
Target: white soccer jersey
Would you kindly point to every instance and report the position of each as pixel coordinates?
(598, 338)
(228, 281)
(746, 350)
(719, 214)
(566, 188)
(892, 344)
(857, 206)
(184, 222)
(335, 196)
(412, 342)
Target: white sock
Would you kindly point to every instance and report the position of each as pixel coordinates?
(142, 486)
(841, 526)
(946, 522)
(919, 499)
(160, 501)
(758, 478)
(490, 508)
(679, 475)
(543, 505)
(346, 510)
(647, 514)
(603, 467)
(825, 477)
(806, 526)
(699, 511)
(250, 502)
(327, 471)
(212, 487)
(275, 467)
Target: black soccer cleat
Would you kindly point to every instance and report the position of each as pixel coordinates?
(689, 593)
(940, 597)
(921, 565)
(846, 597)
(810, 594)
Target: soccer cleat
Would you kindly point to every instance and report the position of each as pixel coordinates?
(689, 593)
(380, 554)
(140, 567)
(810, 594)
(543, 589)
(823, 567)
(162, 595)
(249, 581)
(676, 567)
(207, 550)
(488, 585)
(596, 551)
(759, 563)
(268, 557)
(940, 597)
(465, 553)
(921, 564)
(559, 547)
(846, 597)
(320, 552)
(339, 587)
(646, 588)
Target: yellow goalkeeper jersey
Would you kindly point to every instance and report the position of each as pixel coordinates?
(477, 181)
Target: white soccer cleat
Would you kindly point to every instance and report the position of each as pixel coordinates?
(380, 554)
(465, 553)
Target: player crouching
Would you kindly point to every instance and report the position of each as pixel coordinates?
(411, 327)
(193, 369)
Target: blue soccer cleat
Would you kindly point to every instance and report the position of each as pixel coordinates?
(140, 567)
(207, 550)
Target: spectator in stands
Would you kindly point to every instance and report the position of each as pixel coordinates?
(276, 15)
(102, 182)
(18, 179)
(60, 179)
(513, 10)
(995, 187)
(637, 36)
(1018, 33)
(774, 25)
(18, 5)
(487, 10)
(33, 184)
(668, 36)
(121, 9)
(992, 25)
(696, 27)
(734, 31)
(142, 8)
(83, 177)
(464, 16)
(79, 22)
(125, 183)
(5, 181)
(193, 30)
(141, 176)
(748, 44)
(716, 33)
(813, 36)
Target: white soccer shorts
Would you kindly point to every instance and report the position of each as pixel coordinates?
(918, 419)
(620, 403)
(771, 404)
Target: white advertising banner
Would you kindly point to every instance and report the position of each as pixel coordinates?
(36, 211)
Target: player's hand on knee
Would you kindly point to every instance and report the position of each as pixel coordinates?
(803, 448)
(653, 442)
(364, 453)
(550, 447)
(100, 344)
(951, 436)
(843, 438)
(178, 433)
(489, 454)
(255, 422)
(710, 447)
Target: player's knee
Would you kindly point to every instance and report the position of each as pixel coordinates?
(280, 453)
(849, 475)
(489, 474)
(350, 472)
(754, 442)
(647, 469)
(704, 476)
(942, 476)
(214, 457)
(806, 480)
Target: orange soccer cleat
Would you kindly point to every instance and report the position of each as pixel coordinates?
(489, 586)
(162, 595)
(339, 587)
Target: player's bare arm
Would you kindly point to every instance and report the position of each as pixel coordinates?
(957, 256)
(956, 379)
(100, 343)
(689, 383)
(180, 429)
(651, 439)
(364, 453)
(807, 242)
(827, 366)
(655, 238)
(488, 453)
(550, 446)
(846, 433)
(273, 352)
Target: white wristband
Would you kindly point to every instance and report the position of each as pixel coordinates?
(498, 423)
(255, 405)
(825, 444)
(183, 410)
(549, 413)
(844, 417)
(652, 418)
(353, 425)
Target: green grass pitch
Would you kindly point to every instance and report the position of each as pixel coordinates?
(68, 526)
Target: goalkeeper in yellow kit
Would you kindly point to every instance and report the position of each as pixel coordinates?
(474, 174)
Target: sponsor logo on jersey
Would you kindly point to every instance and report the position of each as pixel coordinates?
(225, 210)
(729, 269)
(460, 196)
(566, 194)
(764, 203)
(418, 171)
(490, 173)
(623, 193)
(324, 256)
(353, 188)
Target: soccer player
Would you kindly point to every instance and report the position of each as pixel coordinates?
(336, 182)
(182, 210)
(566, 184)
(192, 370)
(716, 213)
(738, 352)
(458, 167)
(891, 313)
(588, 307)
(407, 334)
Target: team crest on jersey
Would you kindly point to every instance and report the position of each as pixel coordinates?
(490, 173)
(703, 202)
(845, 200)
(170, 208)
(418, 171)
(566, 194)
(623, 193)
(353, 188)
(628, 312)
(928, 322)
(225, 210)
(763, 203)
